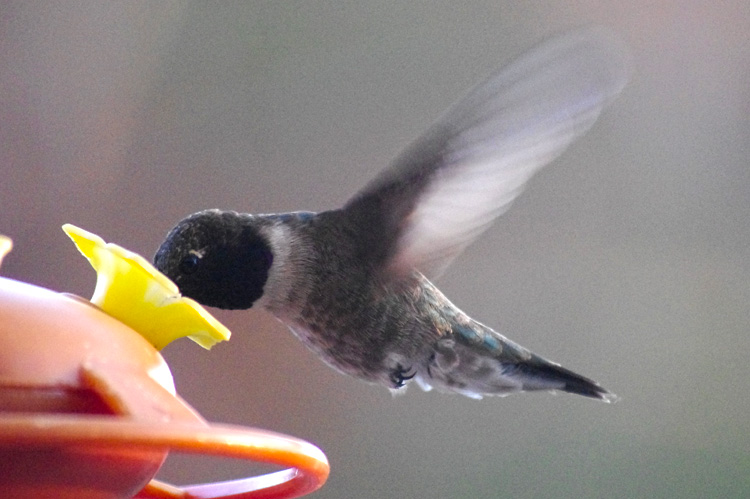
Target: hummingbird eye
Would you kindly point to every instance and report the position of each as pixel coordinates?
(189, 264)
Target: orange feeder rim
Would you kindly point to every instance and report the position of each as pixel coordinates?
(307, 466)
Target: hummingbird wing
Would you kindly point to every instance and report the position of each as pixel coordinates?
(447, 187)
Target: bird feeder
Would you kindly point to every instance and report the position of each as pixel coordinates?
(88, 407)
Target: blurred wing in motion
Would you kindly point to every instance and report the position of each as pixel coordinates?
(449, 185)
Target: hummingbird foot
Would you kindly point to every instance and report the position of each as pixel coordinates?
(401, 374)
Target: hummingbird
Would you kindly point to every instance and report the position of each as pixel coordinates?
(354, 283)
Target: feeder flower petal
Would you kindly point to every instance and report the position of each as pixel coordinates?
(6, 244)
(130, 289)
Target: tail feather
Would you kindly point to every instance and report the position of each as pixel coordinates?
(478, 362)
(541, 374)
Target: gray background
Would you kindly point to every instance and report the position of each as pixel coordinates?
(628, 260)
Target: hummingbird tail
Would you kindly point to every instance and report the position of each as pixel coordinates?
(540, 374)
(478, 362)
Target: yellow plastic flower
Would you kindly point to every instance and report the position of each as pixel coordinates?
(5, 246)
(130, 289)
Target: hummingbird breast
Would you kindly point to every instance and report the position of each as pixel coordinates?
(362, 328)
(345, 311)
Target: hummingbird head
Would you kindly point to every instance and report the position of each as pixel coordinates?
(218, 258)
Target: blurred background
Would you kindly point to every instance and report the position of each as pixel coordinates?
(628, 260)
